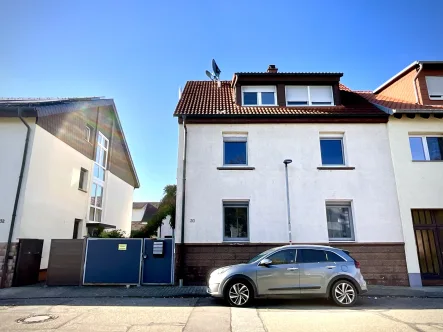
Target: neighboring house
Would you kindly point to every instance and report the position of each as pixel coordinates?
(78, 171)
(414, 99)
(142, 212)
(341, 180)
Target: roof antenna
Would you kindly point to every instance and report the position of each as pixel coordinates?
(215, 75)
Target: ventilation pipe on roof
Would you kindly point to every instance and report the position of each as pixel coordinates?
(272, 69)
(218, 84)
(17, 197)
(179, 92)
(415, 83)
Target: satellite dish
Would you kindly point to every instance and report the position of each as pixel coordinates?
(209, 75)
(215, 69)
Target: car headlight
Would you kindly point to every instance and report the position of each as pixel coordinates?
(221, 270)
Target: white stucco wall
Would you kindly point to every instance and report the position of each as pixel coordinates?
(51, 197)
(12, 142)
(118, 203)
(370, 187)
(137, 214)
(165, 229)
(419, 184)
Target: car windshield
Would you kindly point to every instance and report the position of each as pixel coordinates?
(260, 256)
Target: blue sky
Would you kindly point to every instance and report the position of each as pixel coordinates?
(140, 52)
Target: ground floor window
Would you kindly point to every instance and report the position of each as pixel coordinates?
(340, 224)
(235, 219)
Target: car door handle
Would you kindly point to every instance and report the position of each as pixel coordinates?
(292, 268)
(330, 267)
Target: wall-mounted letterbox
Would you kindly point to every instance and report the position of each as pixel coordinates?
(157, 248)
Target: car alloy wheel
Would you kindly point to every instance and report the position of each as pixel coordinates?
(239, 294)
(344, 293)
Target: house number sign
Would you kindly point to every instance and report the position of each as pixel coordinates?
(2, 221)
(192, 220)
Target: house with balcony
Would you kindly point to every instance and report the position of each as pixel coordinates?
(413, 98)
(231, 196)
(66, 170)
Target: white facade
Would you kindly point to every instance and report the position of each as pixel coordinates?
(165, 230)
(50, 200)
(419, 184)
(137, 214)
(370, 187)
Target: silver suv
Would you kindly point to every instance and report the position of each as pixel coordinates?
(295, 271)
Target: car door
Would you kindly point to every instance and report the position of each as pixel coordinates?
(282, 276)
(315, 271)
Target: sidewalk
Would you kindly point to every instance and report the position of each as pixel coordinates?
(41, 292)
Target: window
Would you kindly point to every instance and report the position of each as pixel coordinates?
(234, 150)
(83, 181)
(77, 226)
(332, 151)
(333, 257)
(426, 147)
(96, 203)
(309, 95)
(235, 221)
(435, 87)
(88, 131)
(258, 95)
(98, 183)
(101, 157)
(339, 219)
(283, 257)
(312, 256)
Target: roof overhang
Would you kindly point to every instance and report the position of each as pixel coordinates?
(274, 78)
(97, 224)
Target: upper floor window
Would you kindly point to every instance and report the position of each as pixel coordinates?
(101, 157)
(309, 95)
(259, 95)
(426, 147)
(235, 150)
(435, 87)
(88, 131)
(83, 180)
(331, 147)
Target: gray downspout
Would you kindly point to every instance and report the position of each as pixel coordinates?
(182, 230)
(17, 197)
(415, 83)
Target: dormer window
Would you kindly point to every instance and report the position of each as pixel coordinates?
(435, 87)
(259, 95)
(314, 95)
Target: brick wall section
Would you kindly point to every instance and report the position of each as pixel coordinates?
(70, 128)
(11, 263)
(381, 263)
(423, 89)
(402, 89)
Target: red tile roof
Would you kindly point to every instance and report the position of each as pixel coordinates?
(204, 98)
(396, 105)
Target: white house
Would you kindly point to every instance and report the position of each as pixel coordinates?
(414, 99)
(142, 212)
(233, 139)
(78, 172)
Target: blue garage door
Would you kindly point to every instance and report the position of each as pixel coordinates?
(157, 261)
(113, 261)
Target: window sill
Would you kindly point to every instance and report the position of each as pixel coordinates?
(84, 190)
(236, 168)
(427, 161)
(342, 168)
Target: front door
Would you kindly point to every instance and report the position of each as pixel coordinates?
(315, 271)
(428, 229)
(282, 277)
(158, 261)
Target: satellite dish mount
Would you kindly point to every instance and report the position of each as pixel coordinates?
(215, 75)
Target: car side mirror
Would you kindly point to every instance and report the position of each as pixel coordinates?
(265, 262)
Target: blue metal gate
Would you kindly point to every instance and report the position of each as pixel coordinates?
(113, 261)
(158, 259)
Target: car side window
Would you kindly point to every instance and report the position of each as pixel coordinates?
(283, 257)
(312, 256)
(333, 257)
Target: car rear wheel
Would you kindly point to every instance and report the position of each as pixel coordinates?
(344, 293)
(239, 293)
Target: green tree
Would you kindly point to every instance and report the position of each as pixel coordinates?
(115, 233)
(166, 208)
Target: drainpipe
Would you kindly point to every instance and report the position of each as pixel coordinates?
(414, 82)
(17, 197)
(182, 230)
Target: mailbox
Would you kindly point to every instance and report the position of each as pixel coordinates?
(157, 249)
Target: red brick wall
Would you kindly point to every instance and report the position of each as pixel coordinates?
(402, 89)
(423, 89)
(381, 263)
(11, 263)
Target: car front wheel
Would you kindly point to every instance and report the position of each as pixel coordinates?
(239, 294)
(344, 293)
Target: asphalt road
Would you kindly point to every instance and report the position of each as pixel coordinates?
(205, 314)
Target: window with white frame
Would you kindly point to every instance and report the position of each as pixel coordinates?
(235, 220)
(435, 87)
(313, 95)
(98, 183)
(83, 180)
(426, 148)
(235, 150)
(259, 95)
(332, 151)
(339, 219)
(88, 131)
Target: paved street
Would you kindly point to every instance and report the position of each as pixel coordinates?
(205, 314)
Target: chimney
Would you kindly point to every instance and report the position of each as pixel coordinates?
(272, 69)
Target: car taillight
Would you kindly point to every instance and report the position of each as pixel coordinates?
(357, 264)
